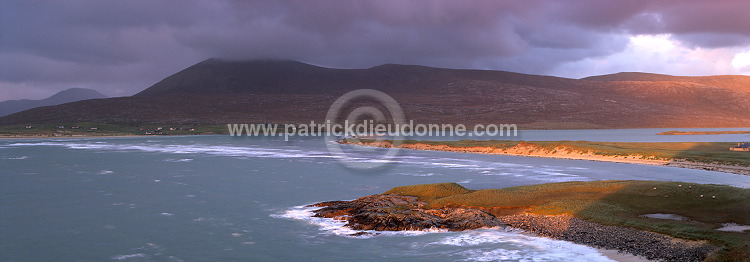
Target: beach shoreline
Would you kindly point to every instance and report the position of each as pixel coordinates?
(531, 150)
(95, 136)
(620, 256)
(65, 137)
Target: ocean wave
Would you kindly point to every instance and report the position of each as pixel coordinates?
(178, 160)
(553, 173)
(415, 174)
(489, 168)
(129, 256)
(496, 174)
(502, 245)
(233, 151)
(455, 165)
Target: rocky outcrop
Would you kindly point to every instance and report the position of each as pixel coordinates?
(390, 212)
(397, 213)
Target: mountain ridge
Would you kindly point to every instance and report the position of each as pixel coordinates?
(217, 91)
(8, 107)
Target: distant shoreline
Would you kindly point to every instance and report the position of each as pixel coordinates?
(80, 136)
(677, 133)
(529, 149)
(99, 136)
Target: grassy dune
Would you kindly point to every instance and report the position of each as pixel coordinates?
(703, 152)
(617, 203)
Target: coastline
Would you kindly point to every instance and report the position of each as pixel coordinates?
(393, 212)
(619, 243)
(81, 136)
(531, 150)
(621, 257)
(694, 133)
(95, 136)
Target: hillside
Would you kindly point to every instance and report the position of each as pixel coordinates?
(735, 82)
(68, 95)
(217, 91)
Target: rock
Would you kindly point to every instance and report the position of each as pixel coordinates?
(363, 233)
(397, 213)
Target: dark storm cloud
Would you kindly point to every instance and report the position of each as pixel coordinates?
(121, 47)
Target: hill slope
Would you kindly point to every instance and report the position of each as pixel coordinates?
(735, 82)
(217, 91)
(68, 95)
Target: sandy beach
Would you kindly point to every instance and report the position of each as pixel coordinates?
(531, 150)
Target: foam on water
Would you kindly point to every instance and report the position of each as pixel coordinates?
(502, 245)
(233, 151)
(129, 256)
(414, 174)
(546, 174)
(178, 160)
(453, 165)
(495, 174)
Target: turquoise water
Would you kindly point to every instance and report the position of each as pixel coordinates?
(220, 198)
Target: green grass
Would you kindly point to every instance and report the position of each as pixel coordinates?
(705, 152)
(618, 203)
(430, 191)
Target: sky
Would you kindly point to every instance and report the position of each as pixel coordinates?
(122, 47)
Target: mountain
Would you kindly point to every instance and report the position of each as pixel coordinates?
(66, 96)
(261, 91)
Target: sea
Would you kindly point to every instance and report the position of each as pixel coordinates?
(223, 198)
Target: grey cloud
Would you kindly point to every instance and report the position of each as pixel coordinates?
(708, 24)
(713, 40)
(121, 47)
(452, 33)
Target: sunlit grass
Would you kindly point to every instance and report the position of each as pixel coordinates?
(618, 203)
(430, 191)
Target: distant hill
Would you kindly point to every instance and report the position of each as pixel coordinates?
(736, 82)
(261, 91)
(68, 95)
